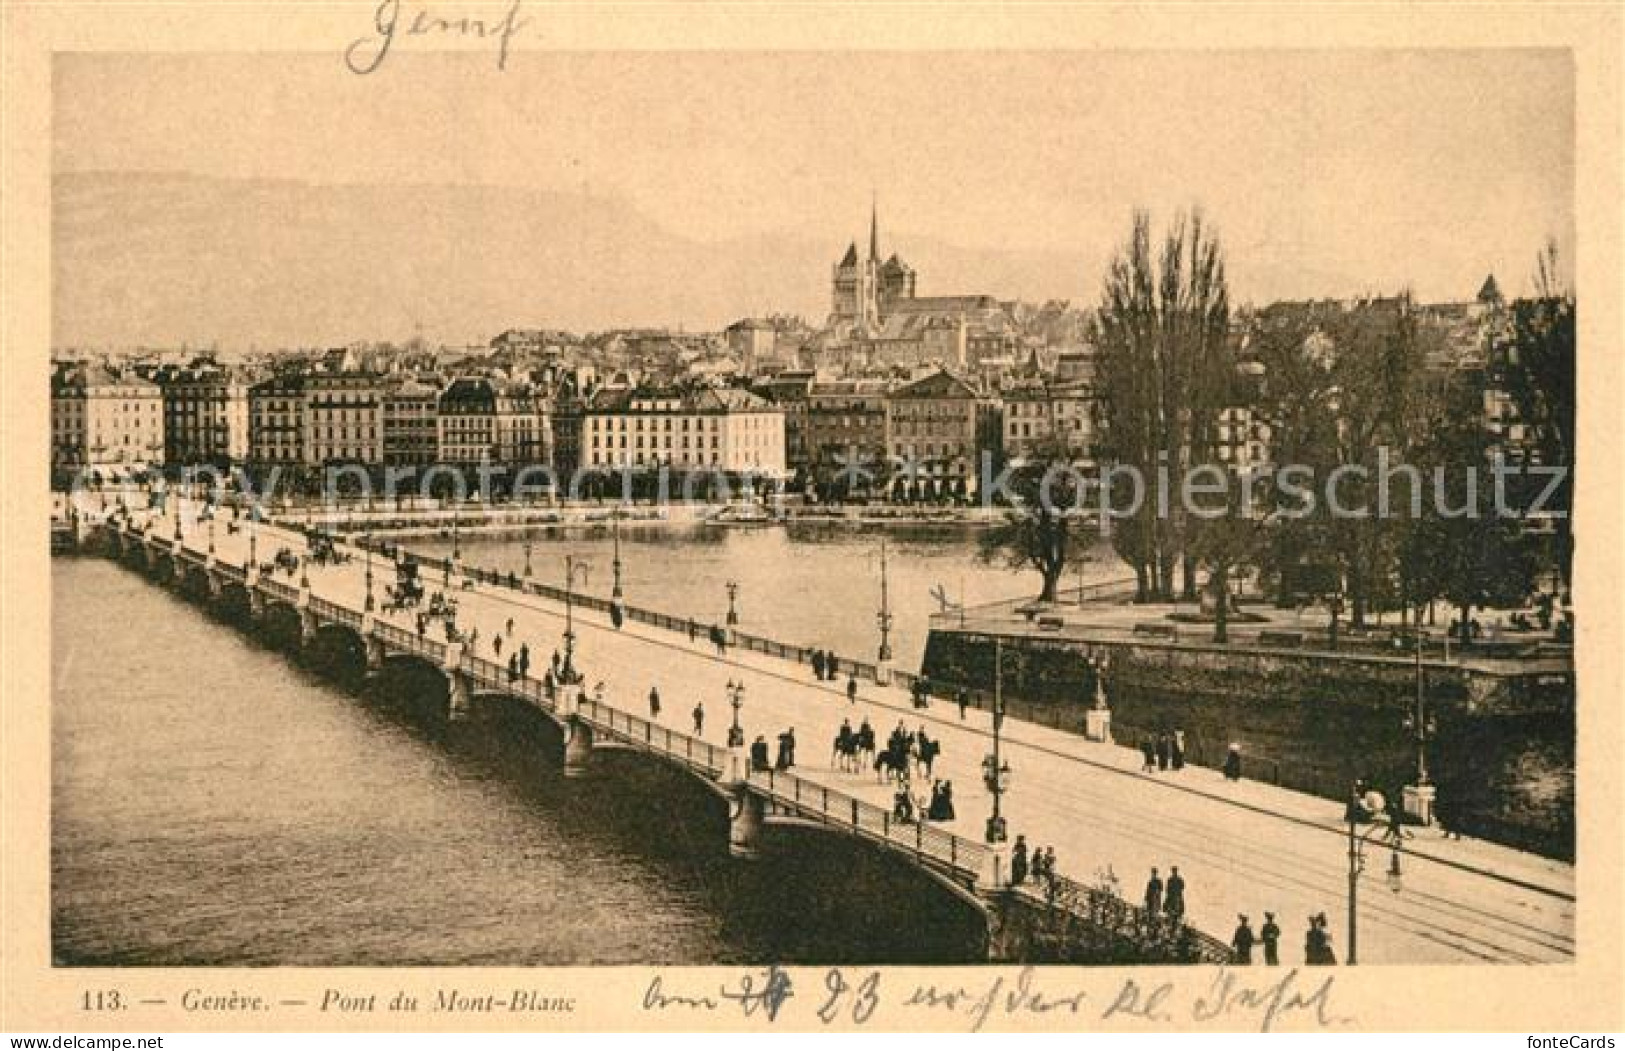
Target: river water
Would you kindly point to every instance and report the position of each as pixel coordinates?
(805, 584)
(214, 803)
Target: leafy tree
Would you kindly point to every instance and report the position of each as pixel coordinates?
(1046, 494)
(1162, 329)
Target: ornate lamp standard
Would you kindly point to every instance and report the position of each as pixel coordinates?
(572, 566)
(736, 701)
(615, 565)
(733, 593)
(1371, 806)
(884, 617)
(995, 770)
(366, 548)
(1419, 797)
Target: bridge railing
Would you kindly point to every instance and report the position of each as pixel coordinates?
(624, 726)
(333, 611)
(807, 799)
(277, 589)
(404, 640)
(1107, 911)
(493, 675)
(233, 572)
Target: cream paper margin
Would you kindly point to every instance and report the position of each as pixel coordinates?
(34, 996)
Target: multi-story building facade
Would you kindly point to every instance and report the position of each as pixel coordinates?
(937, 430)
(716, 429)
(1037, 415)
(206, 417)
(486, 421)
(411, 414)
(344, 418)
(846, 431)
(276, 421)
(105, 421)
(788, 390)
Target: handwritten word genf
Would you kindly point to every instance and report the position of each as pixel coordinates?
(366, 53)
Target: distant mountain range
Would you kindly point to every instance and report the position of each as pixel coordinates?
(161, 259)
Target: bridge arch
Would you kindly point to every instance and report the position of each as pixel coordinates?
(339, 652)
(161, 566)
(789, 827)
(235, 604)
(194, 582)
(413, 686)
(281, 627)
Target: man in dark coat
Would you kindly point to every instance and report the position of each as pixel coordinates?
(1241, 943)
(818, 664)
(1153, 894)
(1232, 763)
(1018, 862)
(654, 702)
(1163, 747)
(1270, 935)
(758, 753)
(1148, 752)
(1174, 904)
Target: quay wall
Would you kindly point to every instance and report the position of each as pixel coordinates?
(1502, 752)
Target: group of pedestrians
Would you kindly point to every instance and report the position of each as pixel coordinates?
(1317, 942)
(826, 666)
(1162, 752)
(785, 759)
(1165, 899)
(1036, 864)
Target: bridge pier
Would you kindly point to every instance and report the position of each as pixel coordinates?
(307, 622)
(746, 816)
(459, 691)
(375, 646)
(577, 747)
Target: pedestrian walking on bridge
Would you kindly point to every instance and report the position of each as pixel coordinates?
(1153, 895)
(1270, 935)
(1174, 902)
(852, 688)
(1241, 943)
(699, 719)
(654, 702)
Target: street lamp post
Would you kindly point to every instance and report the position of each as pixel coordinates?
(253, 545)
(733, 594)
(995, 770)
(527, 558)
(366, 548)
(211, 534)
(884, 617)
(615, 565)
(736, 701)
(1373, 805)
(1419, 798)
(572, 566)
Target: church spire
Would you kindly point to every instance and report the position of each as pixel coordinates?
(874, 226)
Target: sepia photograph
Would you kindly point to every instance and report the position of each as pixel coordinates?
(810, 512)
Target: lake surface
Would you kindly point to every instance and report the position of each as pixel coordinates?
(214, 803)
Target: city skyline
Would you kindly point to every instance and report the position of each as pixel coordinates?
(778, 158)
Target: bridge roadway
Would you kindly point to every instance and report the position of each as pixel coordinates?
(1243, 848)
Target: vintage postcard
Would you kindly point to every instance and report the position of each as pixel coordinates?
(811, 518)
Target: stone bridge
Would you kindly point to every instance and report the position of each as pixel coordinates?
(1065, 922)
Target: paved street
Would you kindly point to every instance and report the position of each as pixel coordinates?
(1242, 848)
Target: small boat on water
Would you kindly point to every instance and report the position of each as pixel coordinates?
(742, 515)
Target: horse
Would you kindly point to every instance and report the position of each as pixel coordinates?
(892, 764)
(925, 753)
(845, 753)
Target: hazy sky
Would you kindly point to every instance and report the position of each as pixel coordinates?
(1326, 172)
